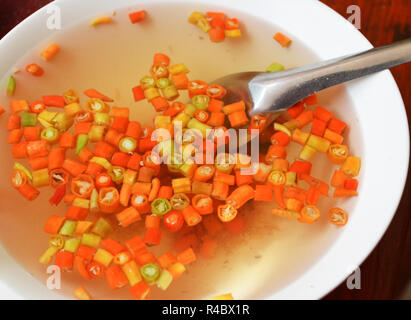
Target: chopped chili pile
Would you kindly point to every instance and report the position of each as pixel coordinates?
(216, 24)
(115, 169)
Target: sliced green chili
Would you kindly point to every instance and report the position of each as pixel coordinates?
(187, 168)
(201, 101)
(90, 240)
(62, 121)
(19, 166)
(68, 228)
(102, 119)
(11, 86)
(170, 92)
(117, 174)
(291, 179)
(160, 206)
(50, 134)
(72, 244)
(164, 280)
(275, 67)
(147, 82)
(102, 228)
(190, 110)
(162, 83)
(175, 163)
(166, 148)
(150, 272)
(56, 241)
(94, 200)
(204, 24)
(48, 255)
(82, 140)
(28, 119)
(179, 201)
(127, 144)
(46, 117)
(202, 127)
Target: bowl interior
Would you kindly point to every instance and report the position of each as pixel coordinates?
(274, 252)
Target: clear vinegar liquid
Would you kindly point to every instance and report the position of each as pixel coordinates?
(273, 251)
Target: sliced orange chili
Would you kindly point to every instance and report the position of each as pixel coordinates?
(140, 202)
(108, 199)
(95, 269)
(122, 258)
(18, 179)
(321, 186)
(338, 216)
(83, 116)
(201, 115)
(58, 195)
(159, 71)
(173, 220)
(277, 178)
(309, 214)
(151, 160)
(104, 180)
(82, 186)
(37, 106)
(226, 212)
(204, 173)
(232, 24)
(197, 87)
(58, 177)
(203, 203)
(337, 153)
(257, 122)
(215, 91)
(81, 265)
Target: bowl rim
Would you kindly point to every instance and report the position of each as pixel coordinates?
(330, 28)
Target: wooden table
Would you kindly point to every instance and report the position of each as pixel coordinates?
(388, 268)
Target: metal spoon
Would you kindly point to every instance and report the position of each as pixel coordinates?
(275, 92)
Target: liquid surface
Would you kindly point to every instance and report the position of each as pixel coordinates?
(112, 58)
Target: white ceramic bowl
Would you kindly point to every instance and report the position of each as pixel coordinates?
(379, 135)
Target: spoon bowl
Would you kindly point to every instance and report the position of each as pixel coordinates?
(271, 93)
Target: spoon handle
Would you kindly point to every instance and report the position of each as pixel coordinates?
(293, 85)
